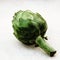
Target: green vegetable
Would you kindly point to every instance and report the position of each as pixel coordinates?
(30, 28)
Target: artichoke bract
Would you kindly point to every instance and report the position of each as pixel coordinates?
(30, 28)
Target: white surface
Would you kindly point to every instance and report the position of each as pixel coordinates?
(10, 47)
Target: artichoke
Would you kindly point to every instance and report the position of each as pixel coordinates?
(30, 28)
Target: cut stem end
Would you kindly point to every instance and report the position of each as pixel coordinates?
(52, 53)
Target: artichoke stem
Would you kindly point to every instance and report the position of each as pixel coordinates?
(45, 46)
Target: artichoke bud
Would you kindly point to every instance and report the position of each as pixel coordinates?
(30, 28)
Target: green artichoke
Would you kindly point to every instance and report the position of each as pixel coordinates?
(30, 28)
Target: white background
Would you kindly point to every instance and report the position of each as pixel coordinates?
(10, 47)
